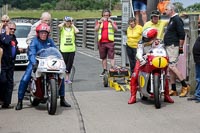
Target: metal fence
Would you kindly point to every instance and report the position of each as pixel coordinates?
(87, 37)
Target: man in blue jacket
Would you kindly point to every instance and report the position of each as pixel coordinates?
(41, 41)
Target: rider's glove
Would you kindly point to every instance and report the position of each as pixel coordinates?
(181, 50)
(142, 62)
(35, 67)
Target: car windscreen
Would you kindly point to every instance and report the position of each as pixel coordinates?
(22, 31)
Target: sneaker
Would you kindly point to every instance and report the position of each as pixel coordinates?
(68, 81)
(6, 106)
(192, 98)
(103, 73)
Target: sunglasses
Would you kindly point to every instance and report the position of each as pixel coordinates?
(13, 29)
(5, 21)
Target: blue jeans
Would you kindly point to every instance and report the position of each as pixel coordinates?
(197, 91)
(26, 79)
(139, 6)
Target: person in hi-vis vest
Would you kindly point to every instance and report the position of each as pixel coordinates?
(106, 28)
(67, 44)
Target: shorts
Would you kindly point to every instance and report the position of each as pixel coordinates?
(173, 53)
(139, 6)
(106, 49)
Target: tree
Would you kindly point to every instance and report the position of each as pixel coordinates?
(61, 4)
(195, 7)
(179, 6)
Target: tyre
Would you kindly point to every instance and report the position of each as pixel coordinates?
(34, 101)
(52, 97)
(156, 90)
(105, 80)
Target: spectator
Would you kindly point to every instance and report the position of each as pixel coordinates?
(174, 39)
(155, 22)
(196, 55)
(162, 5)
(134, 33)
(41, 41)
(45, 18)
(9, 45)
(4, 21)
(148, 39)
(140, 7)
(106, 28)
(67, 44)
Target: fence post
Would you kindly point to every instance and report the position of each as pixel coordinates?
(84, 33)
(126, 13)
(193, 33)
(95, 38)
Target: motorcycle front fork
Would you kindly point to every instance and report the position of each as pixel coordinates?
(161, 83)
(45, 85)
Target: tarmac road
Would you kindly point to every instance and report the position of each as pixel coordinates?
(96, 109)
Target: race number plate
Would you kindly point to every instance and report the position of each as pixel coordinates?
(53, 64)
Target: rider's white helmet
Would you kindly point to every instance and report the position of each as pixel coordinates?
(149, 34)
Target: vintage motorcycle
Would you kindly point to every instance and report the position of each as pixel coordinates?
(45, 82)
(152, 75)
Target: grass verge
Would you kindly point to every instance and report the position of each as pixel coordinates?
(60, 13)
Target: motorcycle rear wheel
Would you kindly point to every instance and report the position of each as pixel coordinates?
(156, 91)
(52, 97)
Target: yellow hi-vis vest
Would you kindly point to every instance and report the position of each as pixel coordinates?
(110, 32)
(67, 40)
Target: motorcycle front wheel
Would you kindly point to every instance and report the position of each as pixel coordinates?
(156, 91)
(52, 97)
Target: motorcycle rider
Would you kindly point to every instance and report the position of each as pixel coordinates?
(41, 41)
(149, 40)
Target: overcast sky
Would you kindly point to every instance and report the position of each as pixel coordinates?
(187, 3)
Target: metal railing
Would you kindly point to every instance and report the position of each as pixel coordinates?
(87, 37)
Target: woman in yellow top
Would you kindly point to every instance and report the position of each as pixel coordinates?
(134, 33)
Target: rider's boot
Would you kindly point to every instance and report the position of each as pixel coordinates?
(63, 102)
(19, 105)
(167, 97)
(132, 99)
(133, 84)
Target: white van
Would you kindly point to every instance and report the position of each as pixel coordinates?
(22, 31)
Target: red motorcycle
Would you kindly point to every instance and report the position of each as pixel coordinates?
(152, 75)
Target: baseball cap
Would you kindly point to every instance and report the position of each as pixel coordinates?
(155, 13)
(67, 18)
